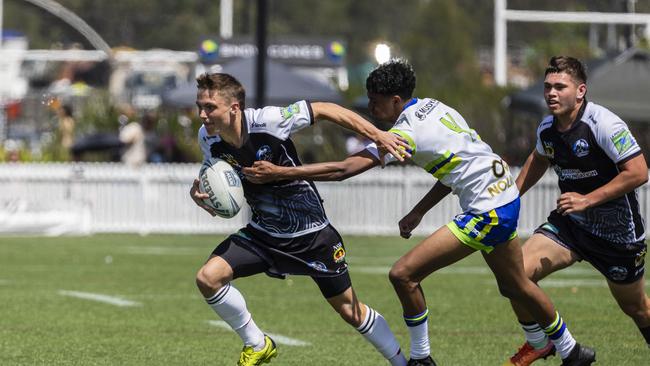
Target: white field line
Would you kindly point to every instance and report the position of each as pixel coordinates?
(474, 270)
(164, 251)
(113, 300)
(552, 283)
(584, 282)
(568, 283)
(449, 270)
(276, 337)
(598, 281)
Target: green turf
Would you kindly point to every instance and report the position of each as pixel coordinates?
(470, 323)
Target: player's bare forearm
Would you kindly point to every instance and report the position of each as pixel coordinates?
(435, 195)
(264, 171)
(386, 141)
(329, 171)
(634, 173)
(532, 171)
(345, 118)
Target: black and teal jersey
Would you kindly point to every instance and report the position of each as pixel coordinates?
(283, 209)
(586, 157)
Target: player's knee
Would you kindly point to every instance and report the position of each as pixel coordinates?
(349, 315)
(210, 279)
(400, 277)
(638, 310)
(510, 291)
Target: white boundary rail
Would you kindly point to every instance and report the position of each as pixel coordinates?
(97, 198)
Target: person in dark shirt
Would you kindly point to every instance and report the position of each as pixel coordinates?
(289, 232)
(599, 165)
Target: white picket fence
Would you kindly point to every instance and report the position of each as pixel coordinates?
(88, 198)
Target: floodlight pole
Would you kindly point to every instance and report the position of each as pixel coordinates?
(502, 15)
(1, 14)
(500, 40)
(225, 23)
(260, 66)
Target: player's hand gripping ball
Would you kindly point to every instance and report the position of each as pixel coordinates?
(222, 184)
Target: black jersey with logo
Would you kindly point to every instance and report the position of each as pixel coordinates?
(586, 157)
(283, 209)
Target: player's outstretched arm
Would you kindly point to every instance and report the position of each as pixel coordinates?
(264, 171)
(387, 142)
(633, 173)
(532, 171)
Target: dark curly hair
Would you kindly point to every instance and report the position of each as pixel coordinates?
(569, 65)
(395, 77)
(225, 84)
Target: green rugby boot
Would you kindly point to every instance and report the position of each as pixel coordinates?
(249, 357)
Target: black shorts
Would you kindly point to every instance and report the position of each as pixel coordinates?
(320, 255)
(619, 262)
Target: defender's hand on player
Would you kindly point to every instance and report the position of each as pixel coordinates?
(388, 142)
(261, 172)
(408, 224)
(571, 202)
(198, 197)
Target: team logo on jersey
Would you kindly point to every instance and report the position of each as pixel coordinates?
(622, 140)
(580, 148)
(617, 273)
(549, 150)
(264, 153)
(573, 174)
(423, 111)
(288, 111)
(339, 253)
(319, 266)
(500, 186)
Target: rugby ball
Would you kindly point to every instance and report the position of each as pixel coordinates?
(221, 182)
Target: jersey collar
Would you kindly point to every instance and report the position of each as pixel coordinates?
(410, 103)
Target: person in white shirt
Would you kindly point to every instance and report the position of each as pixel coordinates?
(133, 137)
(442, 143)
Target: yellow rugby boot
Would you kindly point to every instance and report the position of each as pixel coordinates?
(249, 357)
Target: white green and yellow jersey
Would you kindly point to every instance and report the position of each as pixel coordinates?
(442, 143)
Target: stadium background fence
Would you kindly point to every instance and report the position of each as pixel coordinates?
(87, 198)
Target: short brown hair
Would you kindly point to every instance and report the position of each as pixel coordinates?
(225, 84)
(570, 65)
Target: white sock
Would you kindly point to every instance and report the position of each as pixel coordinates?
(560, 336)
(535, 336)
(230, 305)
(419, 330)
(376, 331)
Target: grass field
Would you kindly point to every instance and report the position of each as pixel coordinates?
(44, 322)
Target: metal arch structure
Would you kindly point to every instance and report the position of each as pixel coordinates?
(502, 15)
(75, 22)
